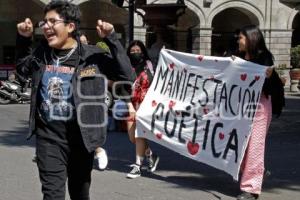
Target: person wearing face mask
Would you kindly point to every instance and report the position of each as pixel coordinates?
(136, 58)
(143, 69)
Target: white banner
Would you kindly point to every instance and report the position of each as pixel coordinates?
(202, 107)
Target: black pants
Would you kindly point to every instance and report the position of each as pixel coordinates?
(58, 162)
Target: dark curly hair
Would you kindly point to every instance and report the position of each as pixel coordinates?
(68, 11)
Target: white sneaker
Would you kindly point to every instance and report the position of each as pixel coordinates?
(102, 159)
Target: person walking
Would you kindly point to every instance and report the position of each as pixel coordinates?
(143, 69)
(252, 48)
(67, 112)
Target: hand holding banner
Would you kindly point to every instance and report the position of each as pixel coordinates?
(202, 107)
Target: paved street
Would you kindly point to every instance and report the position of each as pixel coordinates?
(177, 177)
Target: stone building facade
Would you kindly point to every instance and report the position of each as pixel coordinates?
(206, 27)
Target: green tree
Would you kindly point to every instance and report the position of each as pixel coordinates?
(295, 57)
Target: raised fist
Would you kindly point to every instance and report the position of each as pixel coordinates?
(104, 29)
(25, 28)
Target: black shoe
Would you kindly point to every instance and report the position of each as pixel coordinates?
(247, 196)
(153, 162)
(135, 171)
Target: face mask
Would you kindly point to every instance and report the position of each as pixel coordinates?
(136, 58)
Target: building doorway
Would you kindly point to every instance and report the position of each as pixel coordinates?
(296, 31)
(226, 27)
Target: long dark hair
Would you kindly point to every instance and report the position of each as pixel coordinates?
(256, 45)
(141, 45)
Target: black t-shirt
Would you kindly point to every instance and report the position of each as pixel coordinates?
(55, 105)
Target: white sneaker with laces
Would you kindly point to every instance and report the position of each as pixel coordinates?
(102, 159)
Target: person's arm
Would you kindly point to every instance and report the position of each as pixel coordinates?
(118, 67)
(120, 62)
(23, 48)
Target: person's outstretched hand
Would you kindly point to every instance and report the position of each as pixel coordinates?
(104, 29)
(25, 28)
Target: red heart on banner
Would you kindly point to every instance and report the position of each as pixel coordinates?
(158, 135)
(172, 104)
(243, 77)
(257, 78)
(172, 65)
(205, 110)
(221, 136)
(154, 103)
(193, 148)
(200, 58)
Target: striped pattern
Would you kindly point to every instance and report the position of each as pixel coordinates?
(253, 164)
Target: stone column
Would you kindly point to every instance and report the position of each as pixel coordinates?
(126, 28)
(140, 34)
(202, 41)
(279, 45)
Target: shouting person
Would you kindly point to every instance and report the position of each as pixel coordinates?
(68, 113)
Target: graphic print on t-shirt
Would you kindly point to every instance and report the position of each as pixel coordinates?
(56, 93)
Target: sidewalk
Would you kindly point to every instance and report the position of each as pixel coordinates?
(282, 153)
(176, 178)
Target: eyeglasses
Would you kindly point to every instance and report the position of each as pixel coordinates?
(50, 22)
